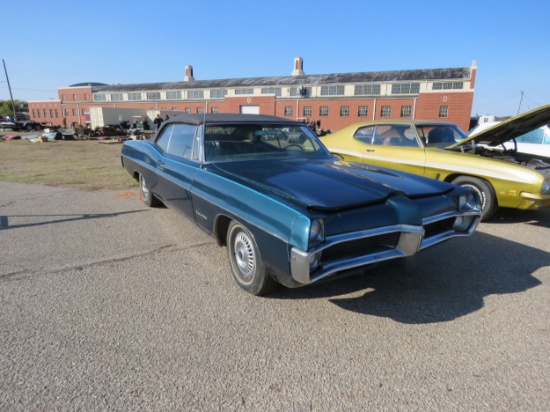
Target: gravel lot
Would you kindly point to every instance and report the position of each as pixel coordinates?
(108, 305)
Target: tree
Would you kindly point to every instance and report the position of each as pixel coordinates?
(7, 110)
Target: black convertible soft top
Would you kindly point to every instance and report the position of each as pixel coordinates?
(226, 117)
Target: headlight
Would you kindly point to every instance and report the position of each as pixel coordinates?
(469, 202)
(316, 232)
(545, 186)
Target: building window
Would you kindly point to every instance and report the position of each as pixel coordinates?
(173, 95)
(308, 111)
(405, 88)
(195, 94)
(443, 111)
(271, 90)
(200, 110)
(117, 97)
(344, 111)
(100, 97)
(37, 113)
(367, 89)
(45, 112)
(244, 91)
(86, 97)
(51, 113)
(83, 111)
(288, 110)
(385, 111)
(323, 111)
(336, 90)
(33, 113)
(56, 114)
(134, 96)
(448, 86)
(217, 94)
(188, 110)
(300, 91)
(363, 111)
(406, 111)
(74, 97)
(153, 95)
(74, 112)
(66, 112)
(214, 110)
(62, 98)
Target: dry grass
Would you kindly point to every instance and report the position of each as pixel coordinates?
(82, 164)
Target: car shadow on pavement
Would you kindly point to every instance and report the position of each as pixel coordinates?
(437, 285)
(539, 218)
(54, 219)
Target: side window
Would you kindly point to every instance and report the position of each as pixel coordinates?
(535, 136)
(181, 140)
(366, 135)
(177, 140)
(164, 139)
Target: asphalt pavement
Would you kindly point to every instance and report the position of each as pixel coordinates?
(106, 304)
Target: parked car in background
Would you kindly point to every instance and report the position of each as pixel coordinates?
(535, 142)
(288, 211)
(502, 176)
(9, 126)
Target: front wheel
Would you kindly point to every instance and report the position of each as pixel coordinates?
(247, 266)
(146, 195)
(485, 192)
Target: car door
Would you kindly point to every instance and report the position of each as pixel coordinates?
(393, 146)
(177, 167)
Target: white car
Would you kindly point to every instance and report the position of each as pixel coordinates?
(536, 142)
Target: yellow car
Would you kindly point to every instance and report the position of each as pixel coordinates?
(501, 176)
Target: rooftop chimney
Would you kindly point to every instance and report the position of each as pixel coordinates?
(188, 74)
(298, 67)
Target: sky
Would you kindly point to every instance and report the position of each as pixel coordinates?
(58, 43)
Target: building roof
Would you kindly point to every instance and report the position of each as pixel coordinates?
(450, 74)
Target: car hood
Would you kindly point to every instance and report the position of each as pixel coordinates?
(327, 184)
(510, 129)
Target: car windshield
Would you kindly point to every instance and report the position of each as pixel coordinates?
(247, 141)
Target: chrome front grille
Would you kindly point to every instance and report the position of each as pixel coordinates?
(360, 247)
(438, 227)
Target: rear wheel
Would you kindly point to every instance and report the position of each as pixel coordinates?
(247, 266)
(485, 192)
(146, 195)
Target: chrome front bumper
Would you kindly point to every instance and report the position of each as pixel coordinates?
(409, 240)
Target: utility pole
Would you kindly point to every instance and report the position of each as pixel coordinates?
(9, 88)
(520, 100)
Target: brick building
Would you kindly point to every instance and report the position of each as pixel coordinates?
(336, 100)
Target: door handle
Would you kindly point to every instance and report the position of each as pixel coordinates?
(369, 150)
(160, 165)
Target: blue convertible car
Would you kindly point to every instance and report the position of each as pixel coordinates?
(288, 211)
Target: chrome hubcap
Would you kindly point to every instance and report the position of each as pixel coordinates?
(244, 255)
(144, 190)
